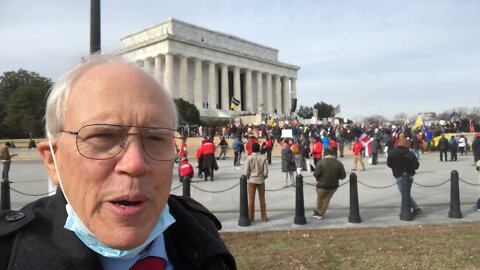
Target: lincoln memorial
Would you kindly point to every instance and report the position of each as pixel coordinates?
(210, 69)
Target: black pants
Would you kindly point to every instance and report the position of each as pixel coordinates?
(443, 153)
(236, 159)
(374, 158)
(476, 157)
(453, 155)
(269, 155)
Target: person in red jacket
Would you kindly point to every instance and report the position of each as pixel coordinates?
(268, 146)
(248, 145)
(183, 149)
(317, 150)
(332, 141)
(357, 151)
(185, 169)
(206, 159)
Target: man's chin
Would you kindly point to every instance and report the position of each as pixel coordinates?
(124, 238)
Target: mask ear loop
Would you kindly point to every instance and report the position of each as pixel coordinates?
(56, 171)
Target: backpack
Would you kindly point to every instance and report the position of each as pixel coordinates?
(4, 155)
(295, 149)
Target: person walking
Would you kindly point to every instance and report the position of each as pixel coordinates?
(443, 146)
(415, 146)
(206, 157)
(256, 171)
(183, 152)
(357, 158)
(341, 145)
(333, 145)
(476, 150)
(328, 172)
(462, 145)
(185, 169)
(237, 151)
(223, 148)
(402, 160)
(298, 156)
(375, 149)
(268, 148)
(317, 150)
(288, 163)
(453, 147)
(6, 160)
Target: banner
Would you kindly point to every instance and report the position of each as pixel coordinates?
(418, 123)
(234, 104)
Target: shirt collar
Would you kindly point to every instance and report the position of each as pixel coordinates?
(157, 249)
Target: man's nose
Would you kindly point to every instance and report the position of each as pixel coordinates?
(133, 159)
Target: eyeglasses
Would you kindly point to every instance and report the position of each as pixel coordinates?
(105, 141)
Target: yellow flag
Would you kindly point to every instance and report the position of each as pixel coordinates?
(418, 123)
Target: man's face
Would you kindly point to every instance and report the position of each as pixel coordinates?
(118, 199)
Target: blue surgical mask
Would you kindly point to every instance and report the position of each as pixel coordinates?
(75, 224)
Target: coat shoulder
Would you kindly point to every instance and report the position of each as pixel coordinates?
(12, 221)
(197, 209)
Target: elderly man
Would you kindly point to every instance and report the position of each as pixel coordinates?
(111, 130)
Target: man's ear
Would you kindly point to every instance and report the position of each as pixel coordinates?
(47, 156)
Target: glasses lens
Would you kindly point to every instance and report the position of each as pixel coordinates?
(101, 141)
(159, 144)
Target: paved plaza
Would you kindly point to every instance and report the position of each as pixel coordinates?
(379, 199)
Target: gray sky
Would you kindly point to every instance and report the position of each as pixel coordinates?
(370, 57)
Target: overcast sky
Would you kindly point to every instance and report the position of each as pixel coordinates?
(370, 57)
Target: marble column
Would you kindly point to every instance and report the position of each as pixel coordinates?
(158, 69)
(140, 63)
(269, 98)
(249, 92)
(278, 94)
(236, 86)
(293, 82)
(286, 96)
(260, 102)
(148, 67)
(183, 79)
(212, 86)
(198, 84)
(225, 94)
(168, 78)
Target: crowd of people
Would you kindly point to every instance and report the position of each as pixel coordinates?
(319, 149)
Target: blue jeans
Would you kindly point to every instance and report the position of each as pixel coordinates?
(413, 203)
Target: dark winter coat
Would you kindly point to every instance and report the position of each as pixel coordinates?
(288, 160)
(35, 238)
(328, 172)
(443, 144)
(401, 160)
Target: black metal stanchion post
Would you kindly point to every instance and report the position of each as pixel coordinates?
(243, 220)
(186, 185)
(5, 191)
(406, 213)
(354, 216)
(299, 205)
(454, 196)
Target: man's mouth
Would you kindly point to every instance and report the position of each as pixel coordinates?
(125, 204)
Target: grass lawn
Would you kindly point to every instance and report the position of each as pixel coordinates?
(403, 247)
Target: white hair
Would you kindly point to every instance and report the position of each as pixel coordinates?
(58, 94)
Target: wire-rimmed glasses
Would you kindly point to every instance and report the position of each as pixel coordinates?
(105, 141)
